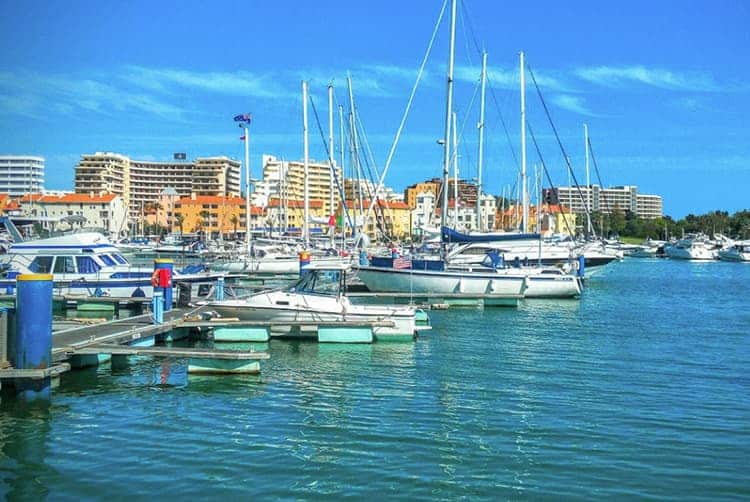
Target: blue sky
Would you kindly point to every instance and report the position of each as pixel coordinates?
(664, 86)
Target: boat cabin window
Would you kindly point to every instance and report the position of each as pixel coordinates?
(87, 265)
(107, 259)
(325, 282)
(41, 265)
(119, 259)
(64, 265)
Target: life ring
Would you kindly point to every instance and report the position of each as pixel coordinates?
(155, 278)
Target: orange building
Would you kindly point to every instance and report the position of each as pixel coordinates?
(555, 218)
(214, 215)
(392, 216)
(290, 213)
(411, 192)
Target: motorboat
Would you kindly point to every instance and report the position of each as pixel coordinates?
(739, 251)
(693, 247)
(88, 264)
(319, 296)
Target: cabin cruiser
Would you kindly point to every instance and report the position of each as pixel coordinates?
(693, 247)
(318, 296)
(739, 251)
(88, 264)
(275, 259)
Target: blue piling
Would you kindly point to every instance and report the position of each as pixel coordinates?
(363, 261)
(166, 264)
(33, 334)
(220, 288)
(304, 261)
(157, 307)
(581, 266)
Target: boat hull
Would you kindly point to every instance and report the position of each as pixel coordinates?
(381, 279)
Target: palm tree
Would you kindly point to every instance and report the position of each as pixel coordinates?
(180, 219)
(234, 220)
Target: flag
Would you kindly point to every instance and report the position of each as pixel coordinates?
(401, 263)
(332, 221)
(242, 137)
(245, 117)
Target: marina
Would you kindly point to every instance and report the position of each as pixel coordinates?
(459, 250)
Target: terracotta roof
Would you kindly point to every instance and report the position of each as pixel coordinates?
(212, 199)
(69, 198)
(394, 204)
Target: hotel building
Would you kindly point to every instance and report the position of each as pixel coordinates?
(606, 200)
(141, 182)
(21, 174)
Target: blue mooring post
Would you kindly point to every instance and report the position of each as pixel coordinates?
(220, 288)
(33, 334)
(304, 261)
(166, 264)
(581, 266)
(363, 258)
(157, 307)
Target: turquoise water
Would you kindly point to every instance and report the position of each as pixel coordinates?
(639, 390)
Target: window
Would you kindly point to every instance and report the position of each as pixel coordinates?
(41, 265)
(64, 265)
(87, 265)
(119, 259)
(106, 259)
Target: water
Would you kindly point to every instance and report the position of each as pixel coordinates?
(638, 390)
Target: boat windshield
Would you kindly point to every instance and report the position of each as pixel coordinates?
(324, 282)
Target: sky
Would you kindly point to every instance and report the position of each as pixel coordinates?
(663, 86)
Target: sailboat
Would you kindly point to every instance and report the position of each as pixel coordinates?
(437, 276)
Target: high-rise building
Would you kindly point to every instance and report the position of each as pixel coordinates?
(142, 182)
(285, 180)
(606, 200)
(21, 174)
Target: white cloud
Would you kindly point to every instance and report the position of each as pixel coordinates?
(572, 103)
(621, 76)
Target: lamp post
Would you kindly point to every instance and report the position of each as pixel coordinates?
(244, 122)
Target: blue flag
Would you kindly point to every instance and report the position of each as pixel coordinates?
(245, 117)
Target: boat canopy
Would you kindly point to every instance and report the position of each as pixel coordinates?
(449, 235)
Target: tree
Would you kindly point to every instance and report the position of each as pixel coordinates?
(235, 221)
(180, 219)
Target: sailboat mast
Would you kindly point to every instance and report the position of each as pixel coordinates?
(306, 210)
(455, 173)
(448, 112)
(331, 228)
(247, 187)
(354, 153)
(343, 175)
(480, 156)
(588, 180)
(524, 195)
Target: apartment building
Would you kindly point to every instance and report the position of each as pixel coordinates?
(607, 200)
(104, 211)
(285, 180)
(215, 215)
(21, 174)
(142, 182)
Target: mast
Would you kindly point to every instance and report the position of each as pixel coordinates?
(524, 195)
(247, 187)
(330, 159)
(448, 111)
(480, 156)
(455, 174)
(355, 153)
(343, 175)
(588, 180)
(306, 210)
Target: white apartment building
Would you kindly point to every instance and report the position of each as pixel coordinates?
(285, 180)
(105, 211)
(606, 200)
(21, 174)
